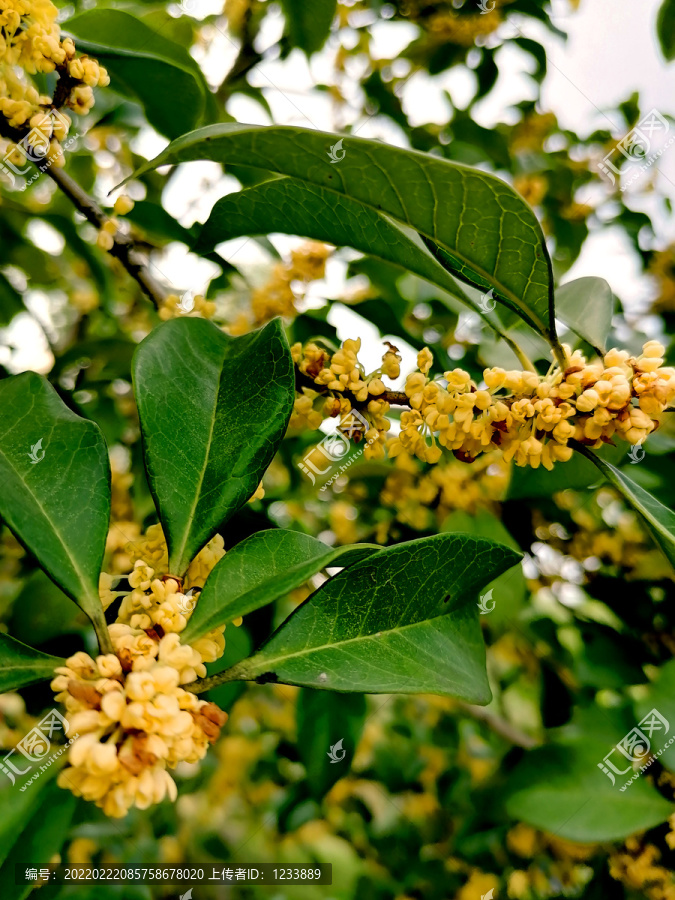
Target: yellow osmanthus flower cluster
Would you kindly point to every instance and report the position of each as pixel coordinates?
(343, 374)
(133, 717)
(31, 44)
(636, 866)
(530, 418)
(277, 296)
(195, 307)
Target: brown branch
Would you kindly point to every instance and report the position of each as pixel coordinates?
(124, 249)
(247, 58)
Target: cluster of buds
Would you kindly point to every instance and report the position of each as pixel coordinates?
(528, 417)
(30, 44)
(133, 717)
(198, 306)
(285, 286)
(347, 384)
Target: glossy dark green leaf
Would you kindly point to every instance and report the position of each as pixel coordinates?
(290, 206)
(665, 29)
(263, 568)
(213, 410)
(55, 475)
(329, 728)
(483, 231)
(21, 664)
(404, 620)
(586, 306)
(308, 24)
(145, 65)
(658, 518)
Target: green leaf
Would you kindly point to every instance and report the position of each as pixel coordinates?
(559, 788)
(586, 306)
(308, 24)
(37, 839)
(263, 568)
(145, 65)
(289, 206)
(56, 487)
(21, 664)
(658, 518)
(478, 226)
(661, 696)
(213, 411)
(665, 29)
(510, 588)
(325, 721)
(403, 620)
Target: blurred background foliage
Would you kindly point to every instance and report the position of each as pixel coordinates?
(433, 799)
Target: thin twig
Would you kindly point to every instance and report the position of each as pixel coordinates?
(500, 726)
(123, 249)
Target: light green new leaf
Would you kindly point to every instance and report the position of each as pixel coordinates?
(586, 306)
(213, 410)
(144, 65)
(486, 233)
(665, 29)
(262, 568)
(55, 493)
(658, 518)
(308, 24)
(404, 620)
(560, 789)
(289, 206)
(21, 664)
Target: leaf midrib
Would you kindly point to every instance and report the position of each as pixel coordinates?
(270, 662)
